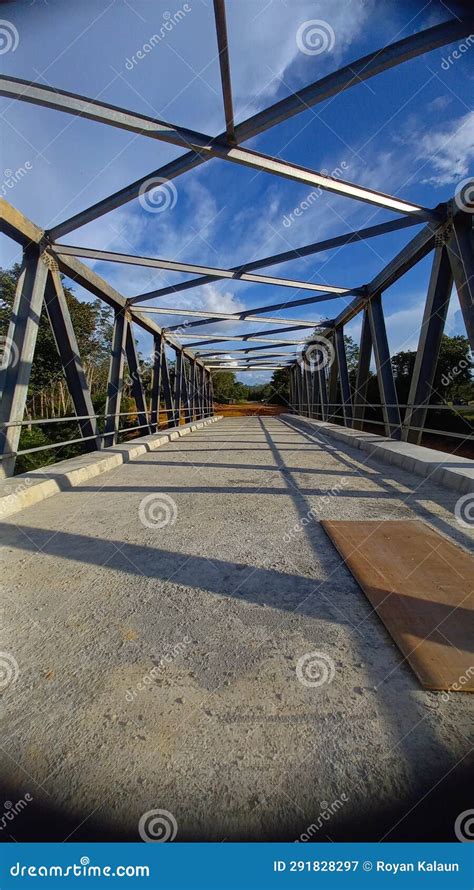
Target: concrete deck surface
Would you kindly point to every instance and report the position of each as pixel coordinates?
(158, 665)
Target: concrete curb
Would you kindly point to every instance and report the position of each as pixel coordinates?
(448, 470)
(27, 489)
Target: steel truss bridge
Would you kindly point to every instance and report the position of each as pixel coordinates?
(446, 233)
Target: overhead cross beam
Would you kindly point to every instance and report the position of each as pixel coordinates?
(293, 254)
(108, 256)
(340, 80)
(226, 316)
(200, 142)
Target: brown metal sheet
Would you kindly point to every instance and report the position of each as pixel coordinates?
(421, 586)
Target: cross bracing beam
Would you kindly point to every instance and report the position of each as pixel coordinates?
(223, 47)
(296, 253)
(361, 69)
(213, 338)
(107, 256)
(226, 316)
(250, 314)
(245, 367)
(240, 353)
(205, 145)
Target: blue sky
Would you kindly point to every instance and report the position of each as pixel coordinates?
(408, 132)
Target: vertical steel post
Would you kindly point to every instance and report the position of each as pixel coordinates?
(167, 391)
(323, 391)
(383, 364)
(68, 349)
(363, 372)
(19, 352)
(432, 327)
(115, 383)
(156, 383)
(461, 255)
(192, 386)
(138, 391)
(344, 377)
(178, 382)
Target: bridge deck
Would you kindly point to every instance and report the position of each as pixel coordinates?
(219, 605)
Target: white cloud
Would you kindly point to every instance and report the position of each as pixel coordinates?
(449, 150)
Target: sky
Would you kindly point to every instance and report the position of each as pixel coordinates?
(408, 132)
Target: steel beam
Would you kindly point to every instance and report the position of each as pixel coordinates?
(178, 386)
(296, 253)
(156, 383)
(363, 372)
(353, 74)
(115, 383)
(249, 314)
(461, 256)
(108, 256)
(227, 316)
(68, 349)
(19, 349)
(82, 106)
(343, 376)
(138, 391)
(223, 47)
(334, 83)
(427, 353)
(383, 364)
(167, 390)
